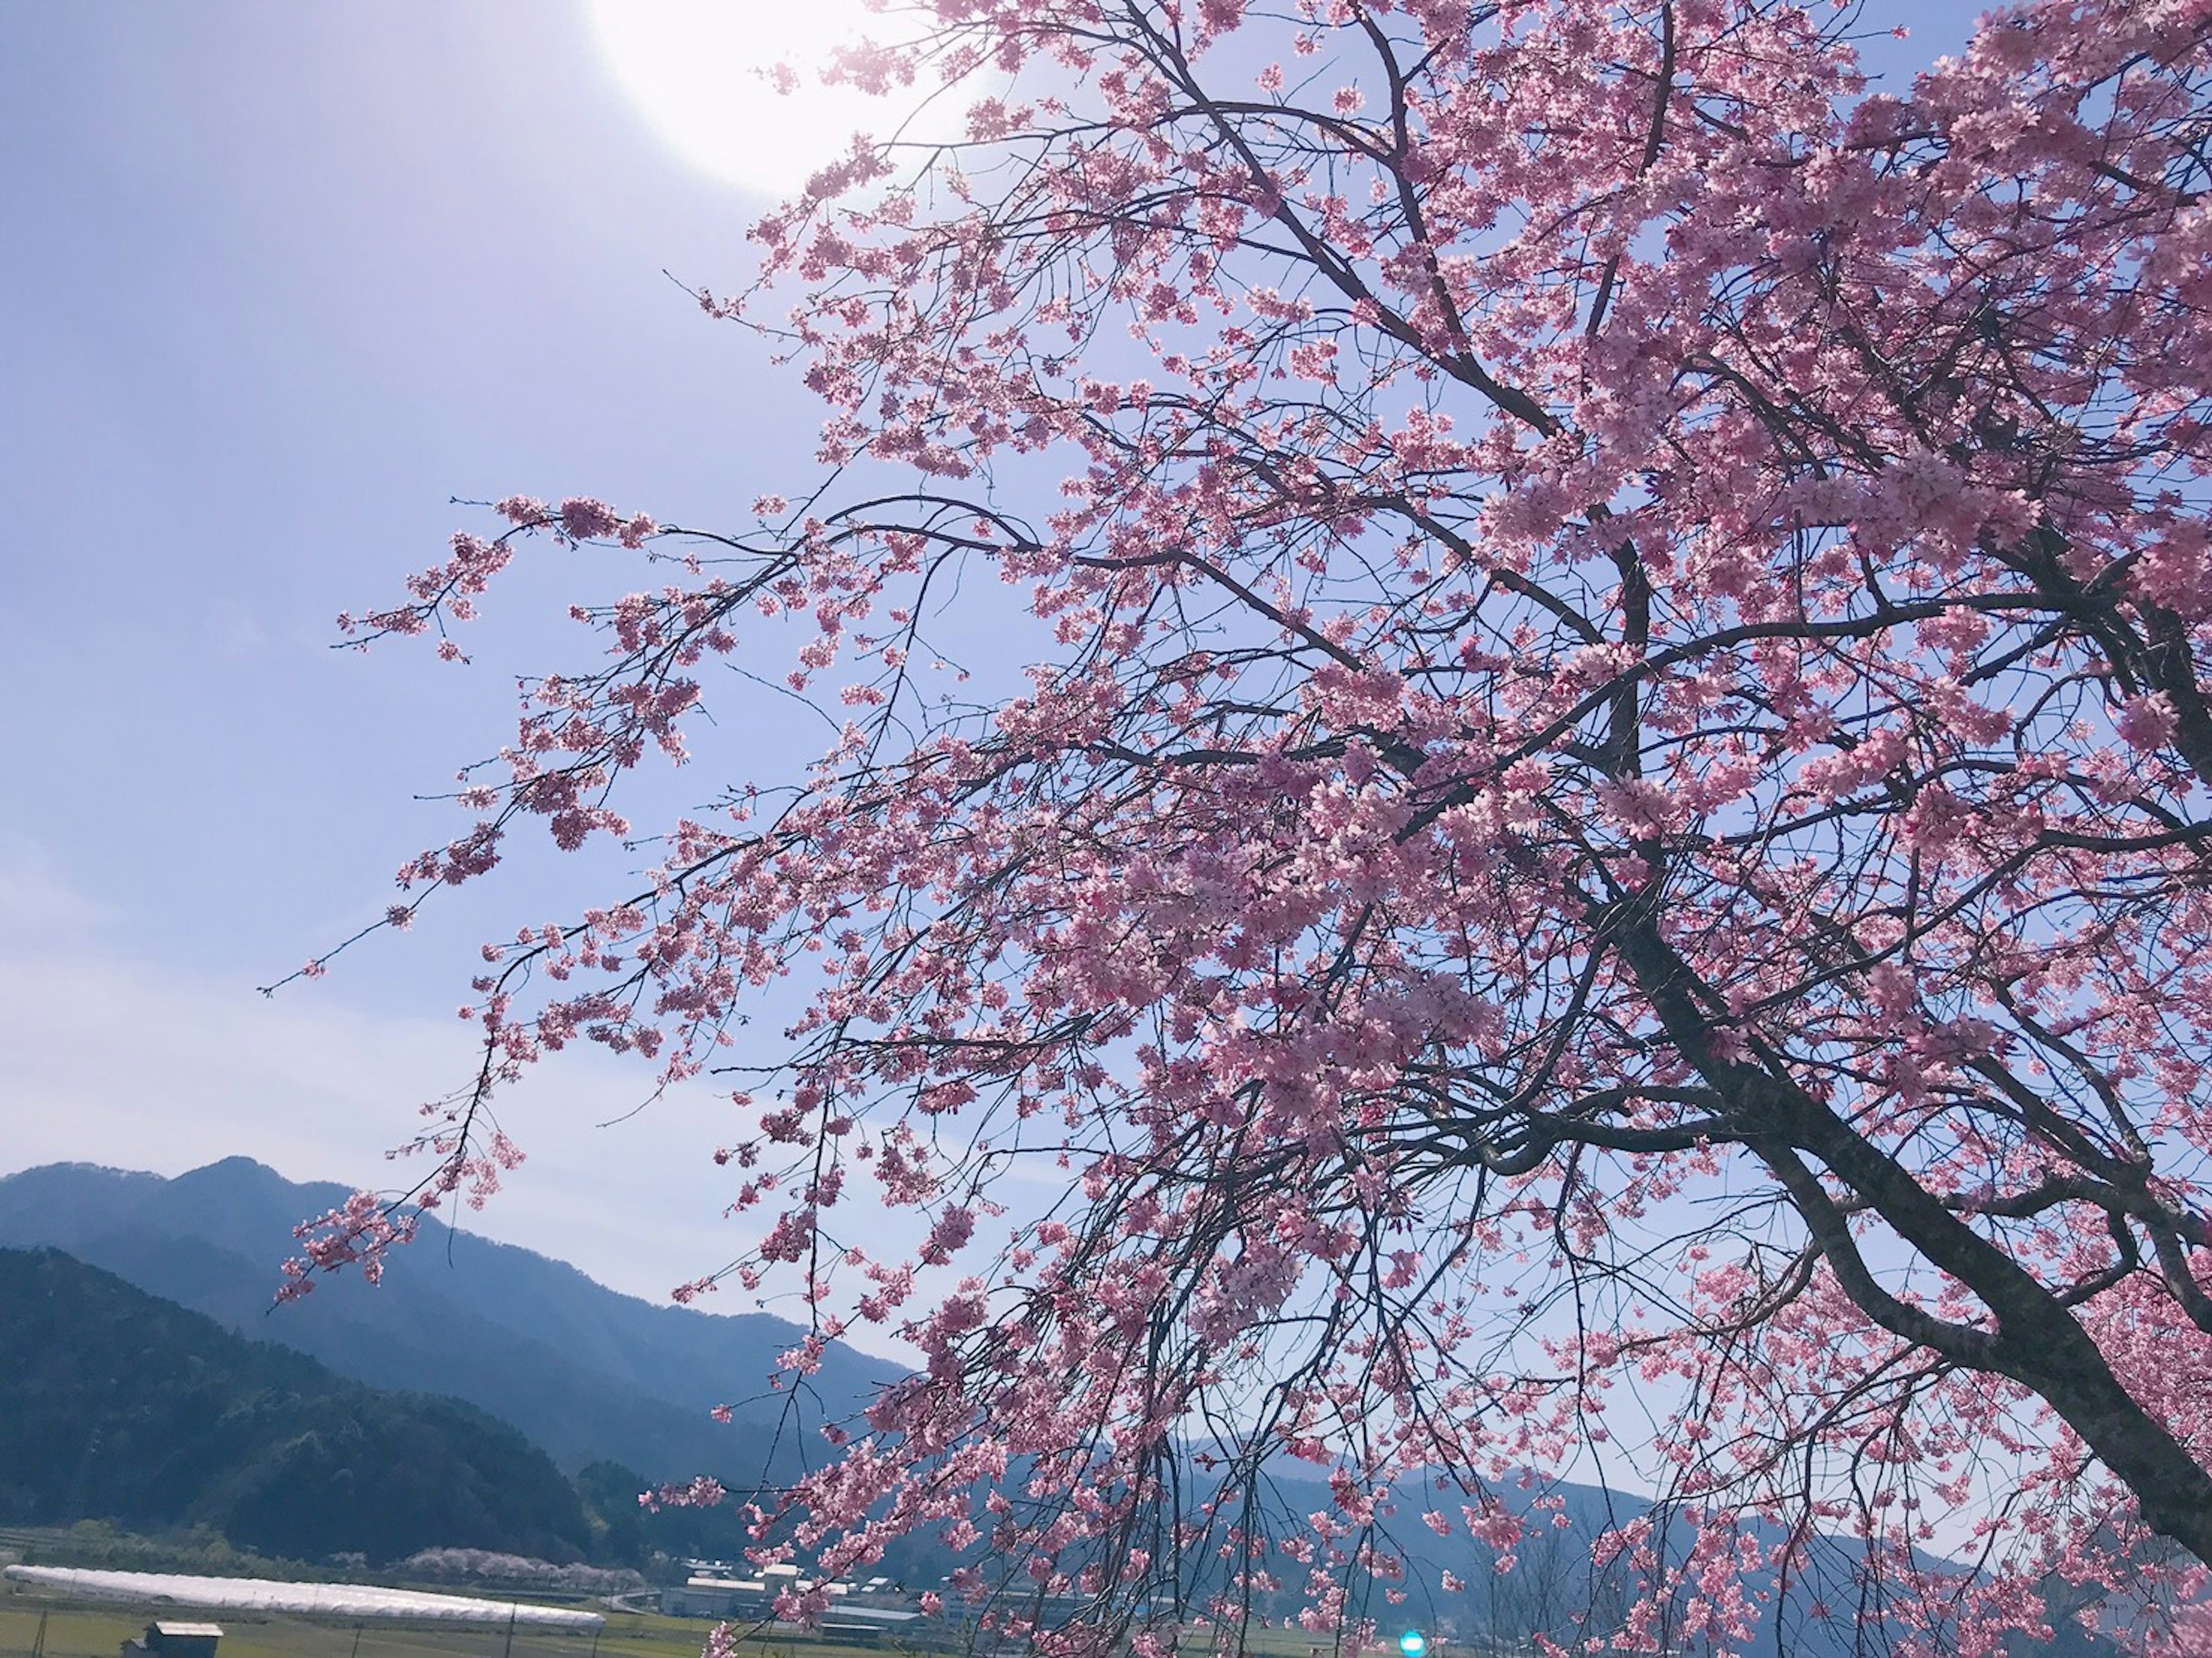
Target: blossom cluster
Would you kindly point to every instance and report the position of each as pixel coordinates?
(1608, 805)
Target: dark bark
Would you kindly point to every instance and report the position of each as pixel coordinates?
(2034, 1339)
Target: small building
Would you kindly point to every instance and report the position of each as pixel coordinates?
(168, 1639)
(717, 1597)
(867, 1626)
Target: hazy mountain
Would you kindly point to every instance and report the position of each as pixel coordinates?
(117, 1406)
(598, 1377)
(586, 1373)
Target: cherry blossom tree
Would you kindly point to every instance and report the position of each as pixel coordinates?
(1600, 858)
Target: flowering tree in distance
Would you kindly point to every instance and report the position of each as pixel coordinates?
(1603, 851)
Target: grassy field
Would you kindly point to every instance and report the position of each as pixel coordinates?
(77, 1627)
(90, 1630)
(80, 1629)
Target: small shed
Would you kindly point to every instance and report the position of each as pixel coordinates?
(169, 1639)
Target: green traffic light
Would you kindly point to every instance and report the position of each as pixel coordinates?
(1413, 1643)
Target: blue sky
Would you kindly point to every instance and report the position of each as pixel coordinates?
(284, 280)
(279, 281)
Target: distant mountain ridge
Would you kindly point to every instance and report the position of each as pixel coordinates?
(599, 1379)
(117, 1406)
(584, 1371)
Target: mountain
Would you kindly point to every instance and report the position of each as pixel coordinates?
(617, 1389)
(117, 1406)
(586, 1373)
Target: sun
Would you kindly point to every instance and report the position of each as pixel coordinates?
(699, 71)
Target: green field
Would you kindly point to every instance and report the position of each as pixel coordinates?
(82, 1628)
(76, 1627)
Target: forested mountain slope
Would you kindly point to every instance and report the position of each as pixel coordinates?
(584, 1371)
(117, 1406)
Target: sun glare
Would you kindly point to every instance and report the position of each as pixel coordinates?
(700, 72)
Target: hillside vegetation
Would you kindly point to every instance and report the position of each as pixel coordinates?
(585, 1372)
(116, 1405)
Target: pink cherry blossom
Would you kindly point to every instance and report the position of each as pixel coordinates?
(1605, 803)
